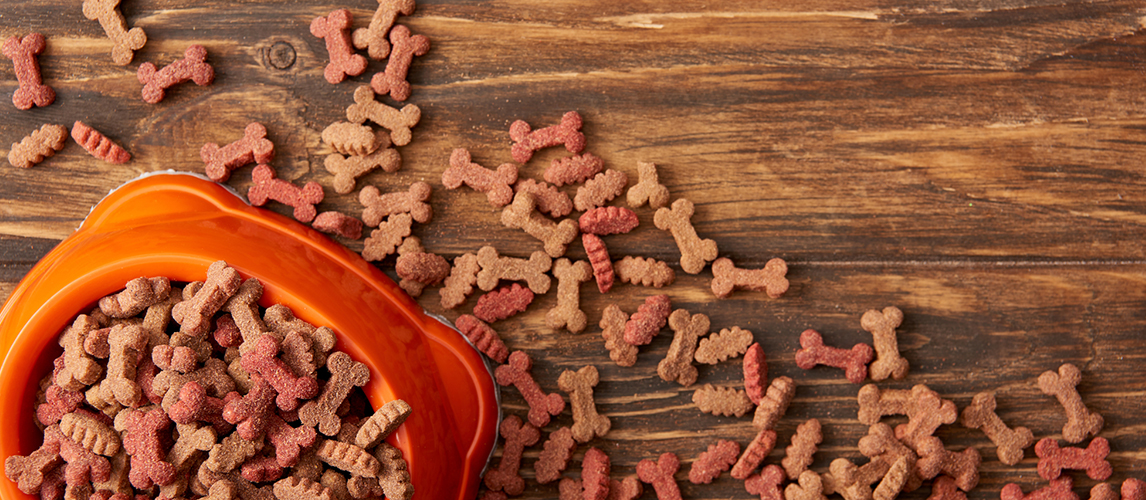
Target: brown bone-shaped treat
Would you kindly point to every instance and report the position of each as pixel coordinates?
(613, 331)
(412, 201)
(192, 67)
(398, 122)
(573, 169)
(980, 414)
(335, 30)
(460, 282)
(1063, 385)
(694, 252)
(265, 186)
(98, 145)
(568, 314)
(881, 445)
(348, 169)
(925, 413)
(660, 475)
(687, 329)
(138, 294)
(943, 488)
(1059, 489)
(40, 144)
(726, 401)
(549, 200)
(600, 190)
(128, 344)
(403, 49)
(882, 325)
(386, 239)
(373, 39)
(775, 403)
(853, 361)
(484, 337)
(648, 188)
(254, 147)
(23, 52)
(517, 373)
(767, 483)
(798, 456)
(934, 459)
(79, 369)
(243, 307)
(194, 315)
(587, 423)
(874, 403)
(527, 141)
(418, 268)
(754, 454)
(517, 435)
(185, 454)
(555, 457)
(345, 374)
(28, 472)
(532, 271)
(1052, 459)
(125, 41)
(556, 237)
(728, 343)
(644, 272)
(809, 486)
(770, 279)
(496, 184)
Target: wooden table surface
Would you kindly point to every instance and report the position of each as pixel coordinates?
(976, 163)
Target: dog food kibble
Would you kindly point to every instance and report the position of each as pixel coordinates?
(726, 277)
(853, 361)
(694, 252)
(555, 236)
(568, 314)
(385, 240)
(604, 221)
(600, 190)
(379, 206)
(660, 475)
(798, 456)
(595, 469)
(335, 30)
(517, 436)
(718, 458)
(728, 343)
(348, 169)
(23, 52)
(599, 258)
(558, 449)
(495, 268)
(418, 268)
(1053, 459)
(677, 365)
(496, 184)
(587, 423)
(483, 337)
(40, 144)
(338, 223)
(397, 121)
(460, 281)
(726, 401)
(1009, 443)
(882, 325)
(648, 188)
(612, 325)
(755, 372)
(1081, 422)
(265, 186)
(549, 200)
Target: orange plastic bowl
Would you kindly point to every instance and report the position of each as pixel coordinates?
(175, 225)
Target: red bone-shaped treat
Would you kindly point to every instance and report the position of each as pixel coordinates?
(497, 185)
(1063, 385)
(398, 122)
(195, 405)
(660, 475)
(266, 186)
(568, 132)
(412, 201)
(98, 145)
(1092, 459)
(541, 405)
(83, 465)
(143, 440)
(517, 435)
(813, 352)
(288, 441)
(57, 403)
(980, 414)
(1059, 489)
(770, 279)
(767, 483)
(404, 48)
(253, 147)
(251, 413)
(23, 52)
(373, 39)
(291, 388)
(192, 67)
(335, 29)
(29, 472)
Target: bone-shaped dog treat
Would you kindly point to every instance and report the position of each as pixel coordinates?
(595, 469)
(798, 456)
(194, 315)
(853, 361)
(332, 222)
(291, 388)
(599, 258)
(770, 279)
(83, 466)
(660, 475)
(728, 343)
(528, 141)
(90, 432)
(549, 200)
(138, 294)
(251, 413)
(212, 376)
(687, 329)
(884, 449)
(648, 188)
(587, 423)
(531, 271)
(79, 369)
(882, 325)
(460, 283)
(418, 268)
(755, 372)
(398, 122)
(925, 413)
(412, 201)
(809, 486)
(125, 41)
(143, 441)
(29, 471)
(496, 184)
(1081, 422)
(266, 187)
(556, 237)
(345, 374)
(517, 373)
(230, 453)
(613, 331)
(335, 30)
(1052, 459)
(604, 221)
(373, 38)
(767, 483)
(943, 488)
(57, 403)
(555, 457)
(568, 314)
(1059, 489)
(195, 405)
(694, 252)
(718, 458)
(517, 435)
(98, 145)
(874, 403)
(644, 272)
(600, 190)
(192, 67)
(353, 139)
(385, 240)
(573, 169)
(403, 49)
(775, 403)
(1133, 489)
(934, 459)
(726, 401)
(348, 169)
(980, 414)
(23, 52)
(484, 337)
(186, 452)
(289, 442)
(128, 343)
(254, 147)
(40, 144)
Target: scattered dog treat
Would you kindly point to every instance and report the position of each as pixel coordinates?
(718, 458)
(556, 237)
(1081, 422)
(517, 435)
(1052, 459)
(694, 251)
(254, 147)
(353, 139)
(810, 487)
(126, 41)
(595, 469)
(573, 169)
(549, 200)
(567, 313)
(266, 187)
(599, 259)
(660, 475)
(338, 223)
(23, 52)
(97, 145)
(503, 303)
(412, 201)
(943, 488)
(373, 39)
(677, 365)
(600, 190)
(755, 372)
(192, 67)
(934, 459)
(541, 405)
(28, 472)
(38, 145)
(853, 361)
(1059, 489)
(648, 188)
(495, 268)
(460, 283)
(882, 325)
(348, 169)
(726, 277)
(613, 330)
(980, 414)
(496, 184)
(528, 141)
(722, 401)
(798, 456)
(418, 268)
(775, 403)
(335, 30)
(404, 47)
(1133, 489)
(553, 459)
(728, 343)
(925, 413)
(398, 122)
(587, 423)
(884, 449)
(767, 483)
(874, 403)
(385, 240)
(483, 337)
(603, 221)
(644, 272)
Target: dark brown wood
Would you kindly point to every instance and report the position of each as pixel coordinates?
(977, 164)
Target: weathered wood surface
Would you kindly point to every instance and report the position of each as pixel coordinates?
(975, 163)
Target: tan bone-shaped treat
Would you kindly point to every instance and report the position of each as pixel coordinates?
(648, 188)
(568, 314)
(80, 369)
(348, 169)
(644, 272)
(194, 315)
(412, 201)
(496, 184)
(925, 413)
(193, 442)
(124, 41)
(398, 122)
(127, 344)
(875, 403)
(1009, 443)
(882, 325)
(138, 294)
(281, 319)
(531, 271)
(373, 38)
(230, 452)
(809, 486)
(243, 307)
(345, 374)
(555, 236)
(770, 279)
(29, 471)
(694, 252)
(1081, 422)
(587, 423)
(677, 365)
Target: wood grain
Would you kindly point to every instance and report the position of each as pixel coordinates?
(975, 163)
